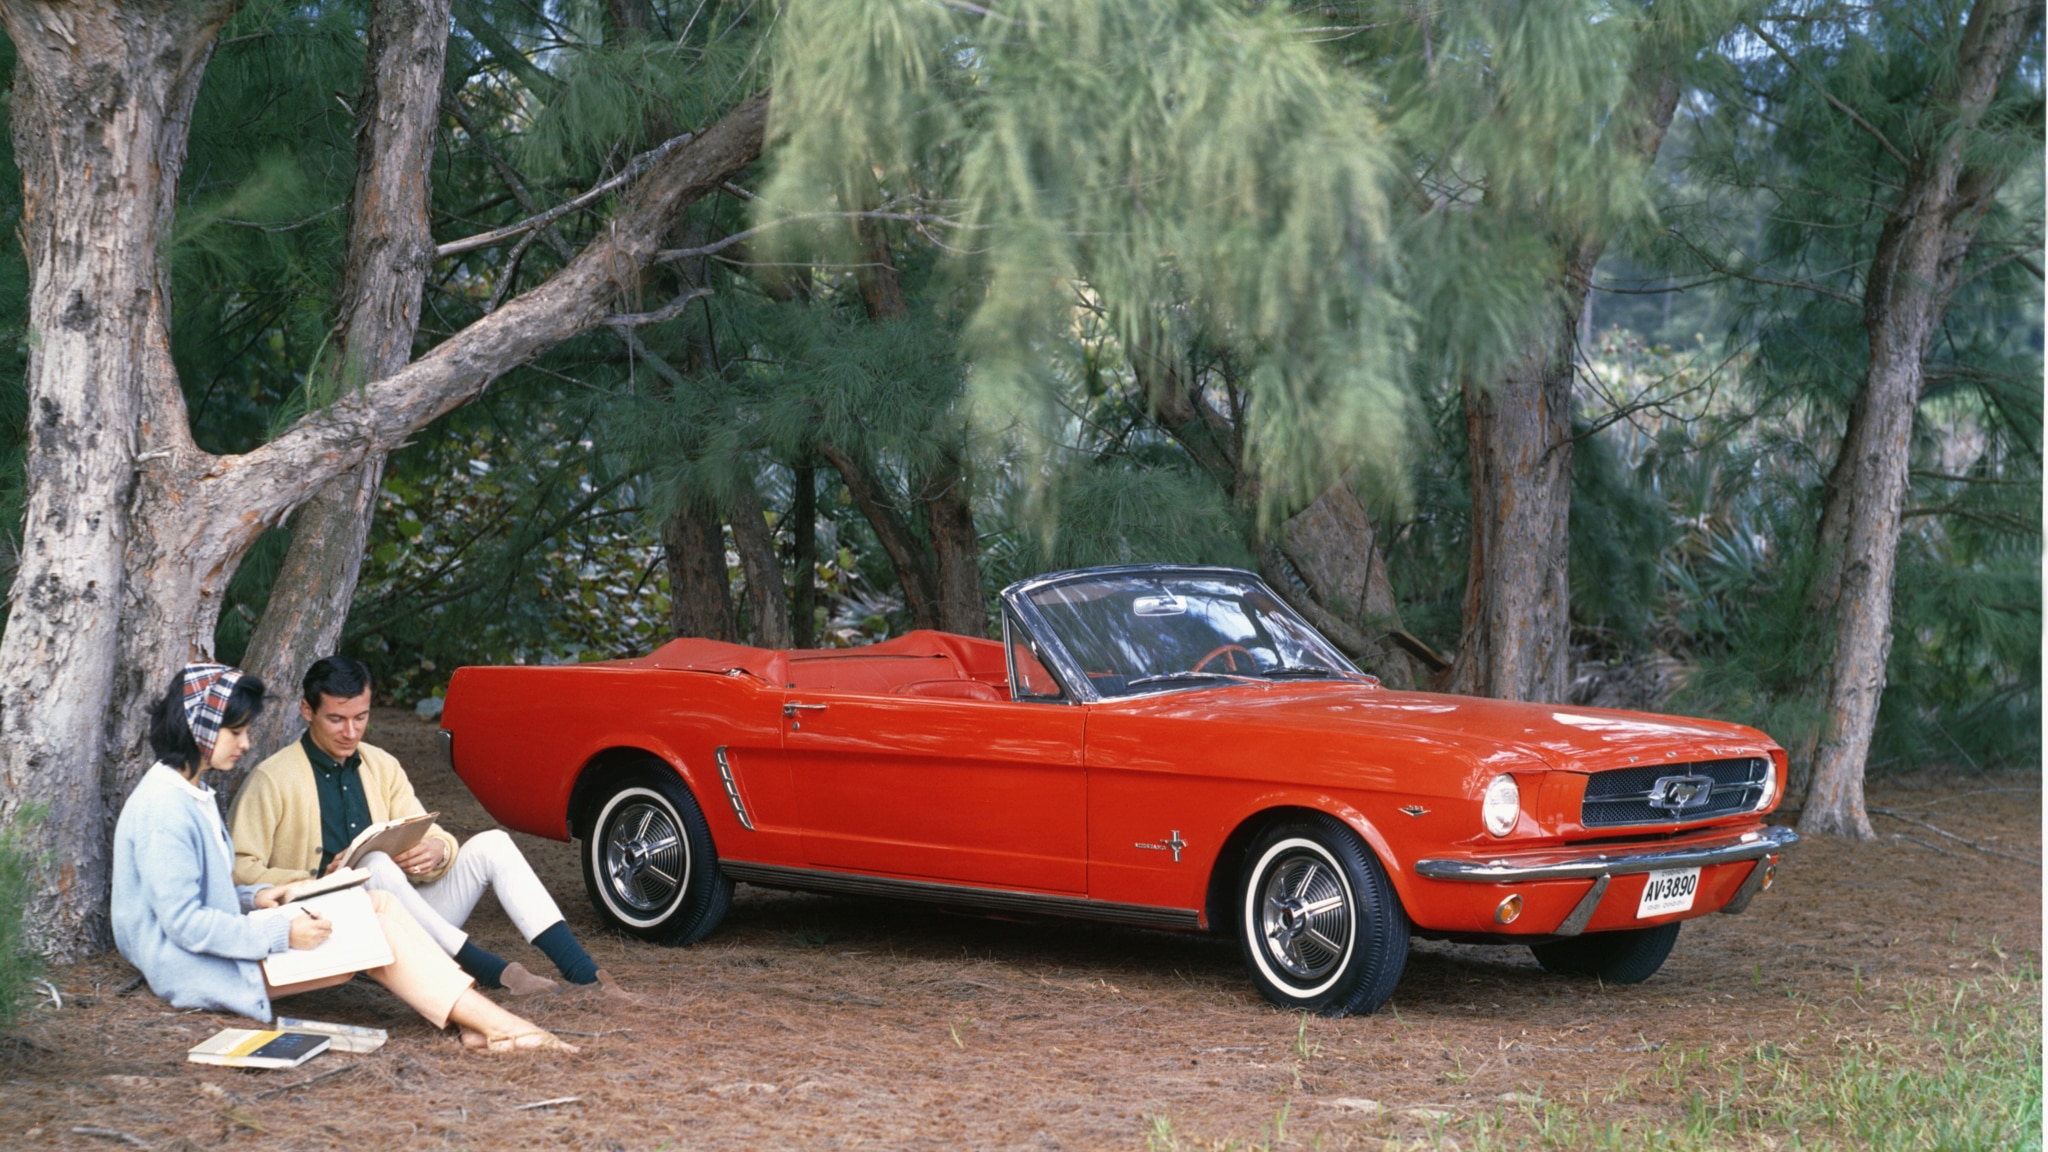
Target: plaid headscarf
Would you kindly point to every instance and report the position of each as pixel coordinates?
(207, 688)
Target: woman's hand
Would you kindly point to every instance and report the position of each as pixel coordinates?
(273, 897)
(310, 930)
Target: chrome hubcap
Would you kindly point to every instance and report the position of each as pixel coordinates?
(1305, 916)
(644, 857)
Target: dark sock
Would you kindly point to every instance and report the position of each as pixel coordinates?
(560, 945)
(483, 965)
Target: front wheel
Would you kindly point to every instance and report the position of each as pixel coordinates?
(1629, 956)
(1318, 922)
(648, 862)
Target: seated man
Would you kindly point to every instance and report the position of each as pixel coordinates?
(302, 807)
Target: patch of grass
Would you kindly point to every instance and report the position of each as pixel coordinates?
(1962, 1075)
(20, 964)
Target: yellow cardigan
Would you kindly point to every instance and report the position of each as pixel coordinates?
(275, 821)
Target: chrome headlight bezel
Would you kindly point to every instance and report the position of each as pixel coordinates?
(1501, 808)
(1770, 790)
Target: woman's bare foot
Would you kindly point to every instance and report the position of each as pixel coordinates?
(538, 1040)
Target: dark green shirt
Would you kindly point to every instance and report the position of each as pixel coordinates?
(344, 809)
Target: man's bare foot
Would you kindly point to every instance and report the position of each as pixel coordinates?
(518, 981)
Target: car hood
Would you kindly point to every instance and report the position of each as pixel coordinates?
(1560, 736)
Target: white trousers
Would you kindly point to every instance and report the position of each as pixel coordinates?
(487, 860)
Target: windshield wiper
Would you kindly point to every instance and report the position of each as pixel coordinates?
(1171, 677)
(1299, 670)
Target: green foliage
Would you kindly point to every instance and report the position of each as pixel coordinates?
(1188, 156)
(20, 963)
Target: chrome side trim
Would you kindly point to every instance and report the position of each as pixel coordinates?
(448, 747)
(1556, 864)
(996, 899)
(732, 790)
(1582, 913)
(1751, 885)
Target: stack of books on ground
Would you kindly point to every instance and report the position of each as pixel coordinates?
(258, 1048)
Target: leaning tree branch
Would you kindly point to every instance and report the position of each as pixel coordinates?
(627, 175)
(572, 301)
(661, 315)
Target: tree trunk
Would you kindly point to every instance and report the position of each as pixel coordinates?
(803, 531)
(905, 551)
(1332, 545)
(1516, 639)
(102, 104)
(956, 549)
(767, 599)
(1919, 253)
(699, 592)
(121, 578)
(390, 249)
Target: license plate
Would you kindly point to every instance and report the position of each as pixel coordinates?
(1668, 892)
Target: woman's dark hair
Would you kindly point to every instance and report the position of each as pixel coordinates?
(342, 677)
(170, 737)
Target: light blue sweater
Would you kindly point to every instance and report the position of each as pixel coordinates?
(177, 913)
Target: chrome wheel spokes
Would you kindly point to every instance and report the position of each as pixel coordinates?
(645, 859)
(1305, 916)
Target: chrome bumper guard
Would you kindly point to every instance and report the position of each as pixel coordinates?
(1602, 868)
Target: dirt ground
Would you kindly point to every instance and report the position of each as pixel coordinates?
(826, 1022)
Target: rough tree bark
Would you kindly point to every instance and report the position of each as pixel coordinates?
(1515, 640)
(390, 249)
(803, 531)
(906, 553)
(767, 599)
(1926, 236)
(1333, 546)
(699, 592)
(102, 105)
(134, 531)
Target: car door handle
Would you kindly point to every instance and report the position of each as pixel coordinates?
(791, 710)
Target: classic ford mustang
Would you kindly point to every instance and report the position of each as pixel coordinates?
(1166, 746)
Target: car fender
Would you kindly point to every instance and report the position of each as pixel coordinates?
(614, 751)
(1226, 862)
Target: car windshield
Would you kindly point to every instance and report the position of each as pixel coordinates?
(1147, 632)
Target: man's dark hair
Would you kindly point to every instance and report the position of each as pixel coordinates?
(170, 736)
(342, 677)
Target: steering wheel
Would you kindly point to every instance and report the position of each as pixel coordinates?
(1222, 651)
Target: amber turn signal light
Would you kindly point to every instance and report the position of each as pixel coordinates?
(1510, 909)
(1770, 874)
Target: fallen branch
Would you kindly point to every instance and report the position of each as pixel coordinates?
(1958, 839)
(548, 1103)
(1937, 850)
(310, 1080)
(110, 1134)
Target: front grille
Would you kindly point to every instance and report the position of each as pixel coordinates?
(1622, 795)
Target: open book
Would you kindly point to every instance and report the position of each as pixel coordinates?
(356, 943)
(334, 881)
(389, 837)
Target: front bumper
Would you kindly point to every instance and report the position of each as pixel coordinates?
(1757, 846)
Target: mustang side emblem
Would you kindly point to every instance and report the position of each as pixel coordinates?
(1174, 844)
(1678, 793)
(1414, 810)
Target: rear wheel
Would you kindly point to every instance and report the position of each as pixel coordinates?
(1318, 922)
(648, 861)
(1630, 956)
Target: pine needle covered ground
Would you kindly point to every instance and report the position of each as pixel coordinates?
(1881, 996)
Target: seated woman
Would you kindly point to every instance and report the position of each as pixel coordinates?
(198, 939)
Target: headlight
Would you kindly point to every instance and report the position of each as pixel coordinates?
(1770, 786)
(1503, 805)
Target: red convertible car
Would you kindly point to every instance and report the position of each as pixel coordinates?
(1165, 746)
